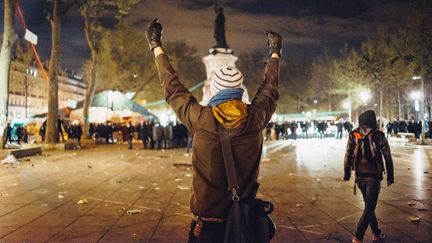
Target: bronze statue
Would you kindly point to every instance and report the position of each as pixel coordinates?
(219, 31)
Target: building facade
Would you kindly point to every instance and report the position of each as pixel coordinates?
(28, 92)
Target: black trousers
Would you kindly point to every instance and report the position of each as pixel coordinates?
(370, 188)
(211, 232)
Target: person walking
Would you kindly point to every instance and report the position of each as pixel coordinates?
(210, 201)
(364, 154)
(130, 134)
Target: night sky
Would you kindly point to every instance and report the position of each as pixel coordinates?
(308, 26)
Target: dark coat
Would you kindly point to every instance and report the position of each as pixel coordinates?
(210, 197)
(379, 147)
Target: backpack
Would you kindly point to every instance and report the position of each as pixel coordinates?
(365, 147)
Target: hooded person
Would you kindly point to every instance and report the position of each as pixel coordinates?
(364, 154)
(210, 199)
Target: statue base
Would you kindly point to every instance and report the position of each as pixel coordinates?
(219, 57)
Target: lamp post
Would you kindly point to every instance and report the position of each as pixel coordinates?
(421, 109)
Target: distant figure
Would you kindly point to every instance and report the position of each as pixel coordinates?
(9, 133)
(339, 126)
(42, 131)
(19, 134)
(219, 31)
(60, 128)
(130, 133)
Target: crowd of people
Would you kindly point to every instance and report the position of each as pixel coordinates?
(307, 129)
(153, 135)
(411, 126)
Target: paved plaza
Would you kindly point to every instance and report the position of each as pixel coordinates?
(143, 195)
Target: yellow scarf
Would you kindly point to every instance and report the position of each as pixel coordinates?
(230, 114)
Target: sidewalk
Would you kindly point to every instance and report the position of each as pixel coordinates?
(38, 200)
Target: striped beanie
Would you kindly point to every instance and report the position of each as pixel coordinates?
(225, 78)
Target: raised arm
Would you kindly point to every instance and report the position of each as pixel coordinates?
(177, 96)
(264, 102)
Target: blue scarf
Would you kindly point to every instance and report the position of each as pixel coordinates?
(226, 95)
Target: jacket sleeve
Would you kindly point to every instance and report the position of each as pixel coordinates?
(264, 102)
(177, 96)
(385, 148)
(349, 155)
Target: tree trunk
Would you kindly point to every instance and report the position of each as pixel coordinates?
(52, 135)
(9, 39)
(349, 108)
(380, 108)
(91, 82)
(399, 105)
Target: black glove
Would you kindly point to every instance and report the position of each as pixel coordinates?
(154, 34)
(347, 177)
(275, 42)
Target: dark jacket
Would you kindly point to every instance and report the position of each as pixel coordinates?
(379, 148)
(210, 197)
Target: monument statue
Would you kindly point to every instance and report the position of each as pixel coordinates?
(219, 30)
(219, 56)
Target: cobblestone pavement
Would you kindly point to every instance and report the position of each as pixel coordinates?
(38, 199)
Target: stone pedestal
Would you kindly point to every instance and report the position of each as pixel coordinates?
(218, 57)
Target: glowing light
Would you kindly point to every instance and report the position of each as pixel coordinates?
(346, 105)
(416, 77)
(364, 96)
(416, 95)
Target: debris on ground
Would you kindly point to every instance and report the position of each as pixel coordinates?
(299, 205)
(157, 188)
(411, 203)
(182, 165)
(183, 188)
(10, 159)
(414, 219)
(178, 179)
(133, 211)
(60, 196)
(89, 166)
(188, 175)
(141, 187)
(83, 201)
(119, 181)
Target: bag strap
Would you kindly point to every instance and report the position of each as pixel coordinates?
(230, 169)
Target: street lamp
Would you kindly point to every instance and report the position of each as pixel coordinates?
(420, 106)
(346, 105)
(364, 96)
(416, 95)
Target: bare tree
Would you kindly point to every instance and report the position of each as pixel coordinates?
(9, 39)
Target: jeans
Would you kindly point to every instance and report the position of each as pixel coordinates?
(212, 232)
(370, 188)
